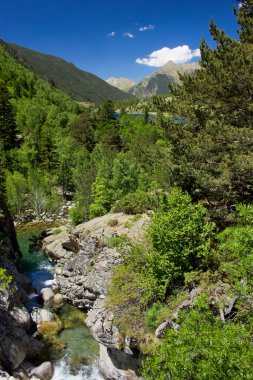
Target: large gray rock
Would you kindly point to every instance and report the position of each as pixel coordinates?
(15, 344)
(57, 246)
(100, 322)
(46, 294)
(58, 299)
(43, 372)
(22, 316)
(117, 365)
(42, 315)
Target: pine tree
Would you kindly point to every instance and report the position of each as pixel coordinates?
(213, 150)
(7, 123)
(245, 20)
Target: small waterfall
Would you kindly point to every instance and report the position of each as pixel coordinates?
(62, 372)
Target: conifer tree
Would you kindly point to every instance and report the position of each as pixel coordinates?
(7, 123)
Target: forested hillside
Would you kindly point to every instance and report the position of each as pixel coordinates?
(65, 76)
(192, 172)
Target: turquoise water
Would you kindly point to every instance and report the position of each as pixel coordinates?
(75, 352)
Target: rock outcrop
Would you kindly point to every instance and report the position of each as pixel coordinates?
(16, 342)
(85, 258)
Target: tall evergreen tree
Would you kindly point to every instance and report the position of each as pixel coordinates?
(7, 123)
(245, 20)
(213, 151)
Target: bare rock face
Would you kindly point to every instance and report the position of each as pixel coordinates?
(100, 322)
(84, 263)
(116, 365)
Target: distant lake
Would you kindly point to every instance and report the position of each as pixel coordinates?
(151, 116)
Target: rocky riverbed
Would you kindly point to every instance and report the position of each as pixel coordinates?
(18, 346)
(84, 260)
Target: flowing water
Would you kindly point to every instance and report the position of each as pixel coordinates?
(74, 352)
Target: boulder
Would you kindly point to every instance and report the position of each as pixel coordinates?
(22, 316)
(163, 327)
(58, 299)
(4, 375)
(15, 344)
(46, 294)
(53, 245)
(21, 374)
(44, 371)
(42, 315)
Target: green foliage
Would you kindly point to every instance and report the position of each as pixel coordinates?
(7, 122)
(5, 279)
(182, 240)
(245, 214)
(211, 152)
(80, 85)
(117, 242)
(16, 187)
(113, 222)
(114, 182)
(245, 21)
(151, 315)
(204, 348)
(79, 212)
(136, 203)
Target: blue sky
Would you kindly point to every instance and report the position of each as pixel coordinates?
(112, 37)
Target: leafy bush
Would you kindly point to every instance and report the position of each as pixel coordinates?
(140, 202)
(5, 279)
(151, 315)
(113, 222)
(78, 213)
(204, 348)
(182, 240)
(133, 203)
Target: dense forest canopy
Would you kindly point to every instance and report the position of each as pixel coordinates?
(193, 170)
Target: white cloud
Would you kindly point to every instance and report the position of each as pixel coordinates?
(147, 27)
(179, 54)
(239, 5)
(112, 34)
(128, 34)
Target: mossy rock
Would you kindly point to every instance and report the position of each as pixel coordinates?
(49, 329)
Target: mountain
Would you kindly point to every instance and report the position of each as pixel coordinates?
(80, 85)
(157, 83)
(123, 84)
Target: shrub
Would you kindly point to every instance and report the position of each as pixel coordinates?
(182, 240)
(140, 202)
(152, 314)
(203, 348)
(113, 222)
(78, 213)
(5, 279)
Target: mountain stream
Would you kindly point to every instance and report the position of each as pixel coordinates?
(73, 351)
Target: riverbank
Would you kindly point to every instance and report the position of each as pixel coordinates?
(84, 261)
(72, 350)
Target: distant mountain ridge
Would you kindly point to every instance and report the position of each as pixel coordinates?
(82, 86)
(123, 84)
(157, 83)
